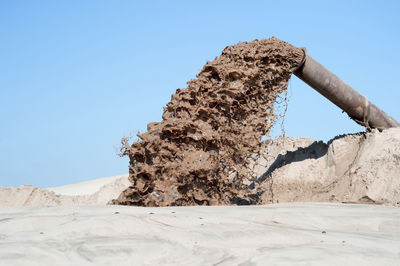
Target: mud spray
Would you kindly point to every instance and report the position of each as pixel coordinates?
(198, 153)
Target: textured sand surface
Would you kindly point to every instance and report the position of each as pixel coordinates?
(278, 234)
(197, 155)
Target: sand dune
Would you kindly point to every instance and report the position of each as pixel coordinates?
(94, 192)
(86, 187)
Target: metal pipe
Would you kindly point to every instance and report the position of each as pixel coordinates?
(357, 106)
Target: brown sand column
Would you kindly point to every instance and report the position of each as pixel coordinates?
(357, 106)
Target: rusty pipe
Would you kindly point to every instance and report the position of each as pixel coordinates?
(356, 105)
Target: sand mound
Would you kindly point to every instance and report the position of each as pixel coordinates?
(96, 192)
(359, 168)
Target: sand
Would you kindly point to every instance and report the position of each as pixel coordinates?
(358, 168)
(278, 234)
(95, 192)
(88, 187)
(197, 154)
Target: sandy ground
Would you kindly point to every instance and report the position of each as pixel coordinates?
(277, 234)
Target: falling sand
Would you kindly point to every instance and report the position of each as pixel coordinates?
(197, 155)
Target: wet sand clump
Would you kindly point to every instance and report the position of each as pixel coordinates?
(198, 153)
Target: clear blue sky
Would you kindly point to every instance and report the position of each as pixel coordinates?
(76, 76)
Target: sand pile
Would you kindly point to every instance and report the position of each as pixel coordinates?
(95, 192)
(198, 153)
(356, 168)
